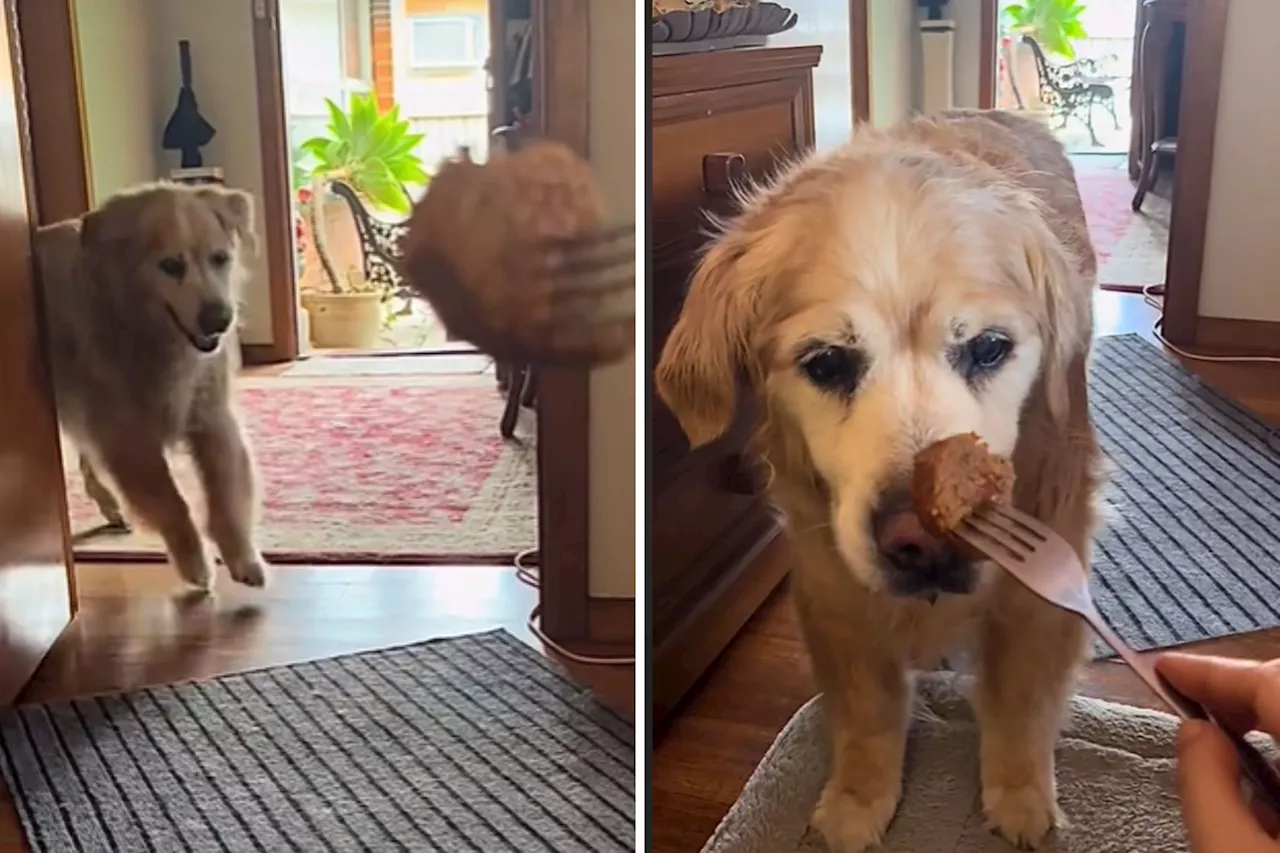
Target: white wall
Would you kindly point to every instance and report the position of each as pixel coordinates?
(894, 44)
(121, 128)
(612, 531)
(222, 59)
(1241, 274)
(825, 23)
(968, 60)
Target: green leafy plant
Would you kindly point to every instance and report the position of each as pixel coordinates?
(371, 150)
(1055, 24)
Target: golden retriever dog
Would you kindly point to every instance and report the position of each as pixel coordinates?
(140, 299)
(921, 281)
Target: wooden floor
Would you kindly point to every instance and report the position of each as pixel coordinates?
(136, 627)
(708, 751)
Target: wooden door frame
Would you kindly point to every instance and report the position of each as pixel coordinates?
(561, 107)
(1193, 167)
(59, 158)
(276, 204)
(860, 59)
(562, 91)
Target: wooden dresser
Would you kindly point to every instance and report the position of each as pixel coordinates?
(713, 541)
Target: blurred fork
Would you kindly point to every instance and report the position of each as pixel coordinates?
(1046, 565)
(575, 304)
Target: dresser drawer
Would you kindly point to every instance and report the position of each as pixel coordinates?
(758, 121)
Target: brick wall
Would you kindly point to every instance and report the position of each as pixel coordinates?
(384, 83)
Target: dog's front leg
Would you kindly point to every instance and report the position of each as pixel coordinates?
(866, 696)
(1028, 654)
(147, 485)
(230, 485)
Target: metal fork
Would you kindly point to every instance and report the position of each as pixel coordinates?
(1045, 564)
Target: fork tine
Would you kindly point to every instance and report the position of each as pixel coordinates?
(585, 260)
(1011, 526)
(985, 545)
(598, 237)
(1017, 548)
(619, 283)
(1032, 526)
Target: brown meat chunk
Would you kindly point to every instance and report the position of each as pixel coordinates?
(956, 476)
(473, 243)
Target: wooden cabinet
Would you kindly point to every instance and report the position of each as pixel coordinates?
(717, 118)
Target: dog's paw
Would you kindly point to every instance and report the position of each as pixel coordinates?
(250, 572)
(849, 824)
(195, 569)
(1024, 816)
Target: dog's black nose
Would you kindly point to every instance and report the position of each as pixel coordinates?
(917, 562)
(214, 318)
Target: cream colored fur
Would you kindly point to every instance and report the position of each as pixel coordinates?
(906, 241)
(134, 375)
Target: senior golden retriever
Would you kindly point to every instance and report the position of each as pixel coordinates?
(140, 300)
(922, 281)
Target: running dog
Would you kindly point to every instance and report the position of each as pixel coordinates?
(140, 297)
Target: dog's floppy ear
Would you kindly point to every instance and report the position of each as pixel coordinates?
(1066, 322)
(697, 373)
(234, 209)
(110, 224)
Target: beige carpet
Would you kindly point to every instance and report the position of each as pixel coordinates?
(375, 467)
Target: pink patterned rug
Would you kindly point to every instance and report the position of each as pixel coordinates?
(365, 468)
(1132, 247)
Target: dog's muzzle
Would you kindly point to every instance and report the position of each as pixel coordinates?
(914, 561)
(213, 321)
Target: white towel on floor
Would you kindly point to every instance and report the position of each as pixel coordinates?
(1115, 783)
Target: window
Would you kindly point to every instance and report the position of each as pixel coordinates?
(445, 42)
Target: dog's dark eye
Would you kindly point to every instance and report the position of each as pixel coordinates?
(173, 267)
(834, 369)
(982, 355)
(220, 258)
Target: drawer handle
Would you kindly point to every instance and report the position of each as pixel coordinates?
(740, 475)
(721, 174)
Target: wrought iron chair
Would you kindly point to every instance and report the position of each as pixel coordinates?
(1073, 89)
(381, 243)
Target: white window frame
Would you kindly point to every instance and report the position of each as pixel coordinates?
(475, 60)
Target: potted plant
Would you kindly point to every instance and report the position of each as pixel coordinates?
(1055, 25)
(373, 152)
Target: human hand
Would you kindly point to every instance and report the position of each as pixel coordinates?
(1244, 695)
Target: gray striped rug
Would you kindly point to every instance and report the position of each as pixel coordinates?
(472, 744)
(1192, 548)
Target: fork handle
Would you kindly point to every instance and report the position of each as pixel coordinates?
(1264, 777)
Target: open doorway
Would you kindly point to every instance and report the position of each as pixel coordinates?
(1071, 64)
(377, 93)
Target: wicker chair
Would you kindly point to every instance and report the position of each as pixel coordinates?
(382, 247)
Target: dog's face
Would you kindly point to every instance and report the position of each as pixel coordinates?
(183, 247)
(876, 311)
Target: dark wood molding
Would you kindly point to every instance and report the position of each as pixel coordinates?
(1232, 336)
(1193, 167)
(612, 621)
(254, 354)
(59, 162)
(561, 112)
(690, 645)
(860, 59)
(276, 206)
(988, 53)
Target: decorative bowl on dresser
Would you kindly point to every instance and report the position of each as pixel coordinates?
(714, 549)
